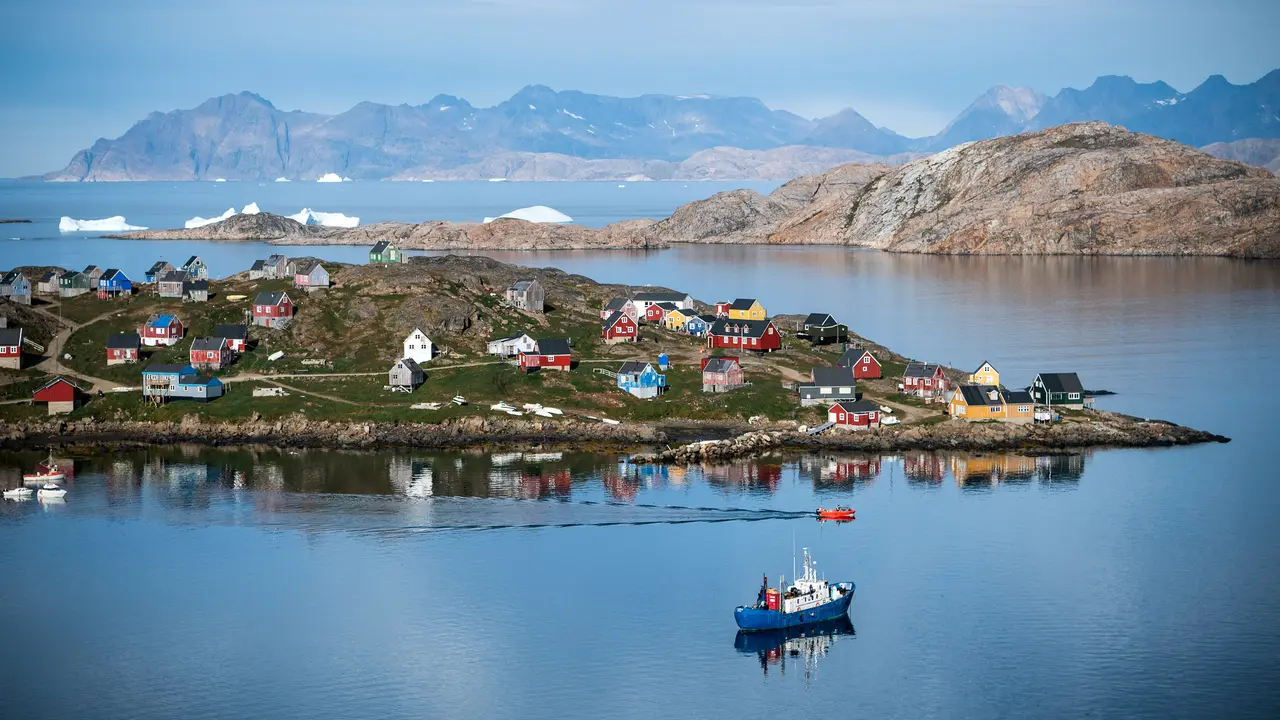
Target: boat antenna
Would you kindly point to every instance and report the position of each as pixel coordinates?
(793, 555)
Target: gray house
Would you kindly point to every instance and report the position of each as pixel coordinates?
(405, 376)
(195, 268)
(195, 291)
(258, 270)
(526, 295)
(48, 283)
(827, 385)
(276, 266)
(170, 284)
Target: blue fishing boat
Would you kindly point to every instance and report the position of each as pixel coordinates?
(806, 601)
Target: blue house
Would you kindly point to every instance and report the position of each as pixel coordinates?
(114, 283)
(162, 382)
(698, 324)
(15, 286)
(158, 270)
(641, 380)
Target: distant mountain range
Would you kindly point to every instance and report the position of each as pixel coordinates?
(575, 135)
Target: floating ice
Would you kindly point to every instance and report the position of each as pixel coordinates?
(428, 180)
(346, 179)
(330, 177)
(198, 221)
(250, 209)
(282, 179)
(312, 217)
(220, 180)
(115, 223)
(535, 214)
(497, 179)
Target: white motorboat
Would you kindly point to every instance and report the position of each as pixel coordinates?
(20, 492)
(49, 490)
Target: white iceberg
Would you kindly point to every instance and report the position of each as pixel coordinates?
(115, 223)
(428, 180)
(198, 221)
(250, 209)
(282, 179)
(220, 180)
(497, 179)
(312, 217)
(535, 214)
(330, 177)
(346, 179)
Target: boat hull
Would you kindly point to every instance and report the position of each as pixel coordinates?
(751, 619)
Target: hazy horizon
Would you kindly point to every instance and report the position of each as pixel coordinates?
(80, 71)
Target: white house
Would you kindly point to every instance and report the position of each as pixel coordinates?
(512, 345)
(417, 347)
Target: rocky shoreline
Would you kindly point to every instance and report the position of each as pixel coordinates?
(1095, 430)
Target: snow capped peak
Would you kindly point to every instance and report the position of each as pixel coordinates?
(1019, 103)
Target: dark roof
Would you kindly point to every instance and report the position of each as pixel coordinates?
(820, 320)
(10, 336)
(121, 341)
(191, 260)
(380, 246)
(657, 297)
(979, 394)
(158, 267)
(195, 285)
(522, 285)
(632, 367)
(1062, 382)
(231, 332)
(10, 277)
(616, 304)
(985, 362)
(668, 306)
(308, 267)
(258, 265)
(745, 328)
(90, 268)
(201, 380)
(921, 370)
(851, 356)
(611, 319)
(269, 298)
(720, 364)
(172, 276)
(169, 368)
(112, 273)
(708, 318)
(50, 276)
(832, 376)
(858, 406)
(742, 304)
(208, 343)
(553, 346)
(1018, 397)
(275, 259)
(409, 363)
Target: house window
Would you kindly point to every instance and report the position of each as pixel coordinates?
(755, 341)
(866, 360)
(841, 416)
(845, 390)
(1073, 396)
(825, 391)
(960, 410)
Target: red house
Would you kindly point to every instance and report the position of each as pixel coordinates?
(924, 380)
(858, 415)
(11, 348)
(122, 348)
(758, 335)
(272, 309)
(864, 364)
(61, 395)
(654, 314)
(619, 328)
(163, 329)
(722, 309)
(548, 354)
(211, 353)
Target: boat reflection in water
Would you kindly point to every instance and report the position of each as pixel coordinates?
(804, 645)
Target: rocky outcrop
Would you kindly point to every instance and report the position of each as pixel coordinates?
(1263, 152)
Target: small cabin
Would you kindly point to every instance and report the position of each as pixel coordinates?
(721, 374)
(15, 287)
(618, 328)
(237, 336)
(11, 341)
(72, 284)
(211, 353)
(827, 384)
(1062, 390)
(48, 283)
(641, 380)
(418, 347)
(258, 270)
(272, 309)
(822, 329)
(986, 374)
(620, 305)
(157, 271)
(195, 291)
(311, 276)
(123, 348)
(864, 364)
(169, 285)
(746, 309)
(854, 415)
(405, 375)
(925, 380)
(161, 329)
(385, 252)
(526, 295)
(195, 268)
(60, 395)
(511, 346)
(114, 283)
(548, 354)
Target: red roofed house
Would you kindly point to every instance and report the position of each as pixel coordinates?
(857, 415)
(864, 364)
(548, 354)
(61, 394)
(618, 328)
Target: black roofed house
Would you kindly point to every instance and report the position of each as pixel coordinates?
(925, 380)
(157, 271)
(548, 354)
(237, 336)
(828, 384)
(620, 305)
(384, 252)
(977, 403)
(72, 284)
(11, 348)
(405, 375)
(853, 414)
(93, 272)
(746, 309)
(258, 270)
(526, 295)
(195, 291)
(195, 268)
(310, 276)
(48, 283)
(864, 364)
(211, 353)
(15, 286)
(822, 329)
(170, 284)
(272, 309)
(760, 336)
(1059, 390)
(123, 348)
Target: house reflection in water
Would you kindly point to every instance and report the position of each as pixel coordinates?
(1005, 468)
(924, 467)
(411, 477)
(803, 647)
(749, 475)
(546, 484)
(840, 471)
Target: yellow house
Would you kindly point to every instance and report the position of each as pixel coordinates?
(676, 319)
(976, 403)
(746, 309)
(986, 374)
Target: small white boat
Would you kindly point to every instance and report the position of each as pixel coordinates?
(49, 490)
(542, 412)
(886, 409)
(515, 413)
(889, 421)
(459, 400)
(22, 492)
(554, 411)
(532, 407)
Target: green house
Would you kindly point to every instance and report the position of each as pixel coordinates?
(385, 253)
(74, 283)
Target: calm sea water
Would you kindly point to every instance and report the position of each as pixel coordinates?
(193, 583)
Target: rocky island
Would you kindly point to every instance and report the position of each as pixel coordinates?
(1077, 189)
(322, 379)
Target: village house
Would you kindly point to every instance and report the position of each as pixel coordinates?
(925, 380)
(641, 380)
(169, 285)
(721, 374)
(418, 347)
(698, 325)
(74, 283)
(276, 266)
(384, 252)
(512, 345)
(665, 308)
(1059, 390)
(620, 305)
(746, 309)
(94, 273)
(676, 318)
(15, 287)
(237, 336)
(854, 415)
(158, 271)
(722, 309)
(311, 276)
(618, 328)
(211, 353)
(827, 384)
(11, 348)
(822, 329)
(114, 283)
(1019, 406)
(643, 300)
(986, 374)
(162, 382)
(864, 364)
(547, 354)
(163, 329)
(272, 309)
(195, 268)
(405, 375)
(123, 348)
(258, 270)
(976, 403)
(48, 284)
(60, 395)
(760, 336)
(526, 295)
(195, 291)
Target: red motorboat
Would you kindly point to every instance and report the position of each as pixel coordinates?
(837, 513)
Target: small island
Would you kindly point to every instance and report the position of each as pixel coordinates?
(468, 351)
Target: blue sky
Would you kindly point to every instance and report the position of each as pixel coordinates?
(76, 70)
